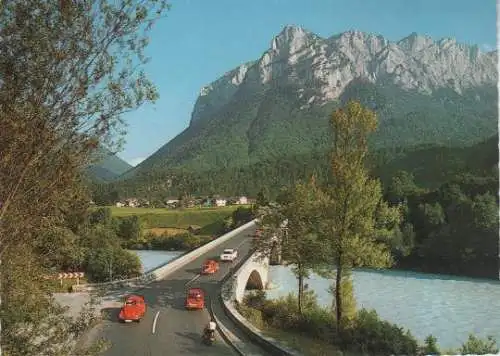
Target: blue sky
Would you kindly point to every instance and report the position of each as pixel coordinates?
(200, 40)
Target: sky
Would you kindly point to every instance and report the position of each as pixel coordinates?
(200, 40)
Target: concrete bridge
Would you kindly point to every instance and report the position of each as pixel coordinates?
(168, 329)
(252, 275)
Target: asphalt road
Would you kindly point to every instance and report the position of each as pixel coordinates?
(168, 328)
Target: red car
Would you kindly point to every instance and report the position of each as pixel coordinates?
(195, 299)
(133, 309)
(209, 267)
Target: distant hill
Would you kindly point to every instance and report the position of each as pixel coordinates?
(108, 168)
(425, 92)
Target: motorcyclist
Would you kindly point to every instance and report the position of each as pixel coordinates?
(210, 328)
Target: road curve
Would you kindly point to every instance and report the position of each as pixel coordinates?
(169, 329)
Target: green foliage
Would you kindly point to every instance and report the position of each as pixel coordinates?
(354, 218)
(431, 347)
(476, 346)
(455, 228)
(297, 239)
(241, 216)
(375, 336)
(262, 124)
(69, 71)
(129, 228)
(431, 166)
(108, 264)
(365, 334)
(101, 216)
(348, 299)
(262, 198)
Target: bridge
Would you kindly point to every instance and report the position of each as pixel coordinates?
(169, 329)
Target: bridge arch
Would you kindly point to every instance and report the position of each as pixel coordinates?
(254, 281)
(252, 275)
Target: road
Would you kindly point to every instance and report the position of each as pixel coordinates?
(169, 329)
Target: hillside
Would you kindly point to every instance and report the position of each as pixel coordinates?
(424, 91)
(108, 168)
(431, 166)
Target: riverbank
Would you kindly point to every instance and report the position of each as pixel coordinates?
(488, 269)
(449, 308)
(313, 331)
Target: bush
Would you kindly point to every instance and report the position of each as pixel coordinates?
(366, 333)
(104, 264)
(373, 335)
(254, 316)
(255, 300)
(477, 346)
(284, 314)
(431, 346)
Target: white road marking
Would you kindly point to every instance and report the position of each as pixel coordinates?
(237, 247)
(155, 320)
(193, 279)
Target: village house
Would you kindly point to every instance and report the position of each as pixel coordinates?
(242, 200)
(172, 203)
(119, 204)
(220, 202)
(132, 202)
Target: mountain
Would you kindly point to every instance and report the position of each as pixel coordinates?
(108, 168)
(424, 91)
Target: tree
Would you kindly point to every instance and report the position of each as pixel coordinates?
(401, 187)
(111, 263)
(300, 246)
(262, 198)
(352, 201)
(68, 70)
(129, 228)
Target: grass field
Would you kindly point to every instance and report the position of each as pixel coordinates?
(170, 231)
(207, 218)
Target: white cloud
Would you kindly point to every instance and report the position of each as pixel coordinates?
(487, 47)
(135, 161)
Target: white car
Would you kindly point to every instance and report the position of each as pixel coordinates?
(229, 254)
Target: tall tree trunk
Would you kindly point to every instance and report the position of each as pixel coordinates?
(301, 291)
(338, 292)
(0, 304)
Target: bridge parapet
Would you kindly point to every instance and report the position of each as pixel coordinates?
(165, 269)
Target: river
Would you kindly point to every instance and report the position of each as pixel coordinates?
(448, 307)
(153, 259)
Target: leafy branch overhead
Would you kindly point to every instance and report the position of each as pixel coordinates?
(69, 70)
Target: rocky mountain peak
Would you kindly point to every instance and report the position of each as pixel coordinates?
(415, 42)
(325, 67)
(291, 38)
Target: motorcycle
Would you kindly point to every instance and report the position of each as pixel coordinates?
(208, 337)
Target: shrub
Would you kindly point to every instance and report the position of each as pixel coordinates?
(477, 346)
(431, 346)
(255, 300)
(254, 316)
(373, 335)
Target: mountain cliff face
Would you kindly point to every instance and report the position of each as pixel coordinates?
(424, 91)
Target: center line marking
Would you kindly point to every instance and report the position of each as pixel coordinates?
(155, 320)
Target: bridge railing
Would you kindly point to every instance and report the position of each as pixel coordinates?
(165, 269)
(228, 300)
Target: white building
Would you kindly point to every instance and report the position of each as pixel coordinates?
(120, 204)
(220, 202)
(243, 201)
